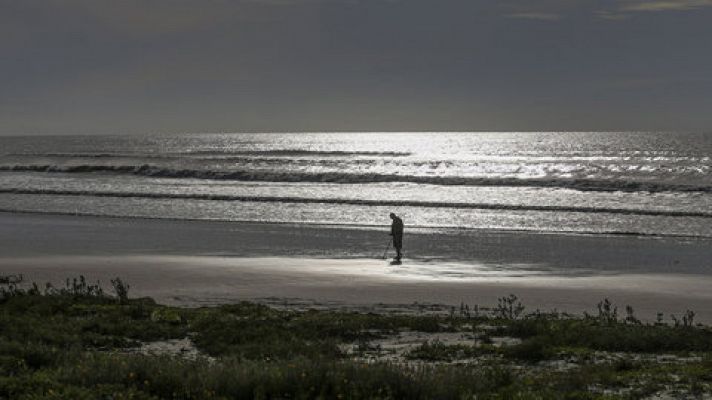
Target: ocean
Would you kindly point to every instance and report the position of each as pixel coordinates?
(633, 183)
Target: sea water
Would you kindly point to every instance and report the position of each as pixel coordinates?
(639, 183)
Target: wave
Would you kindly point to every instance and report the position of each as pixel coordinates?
(254, 153)
(73, 168)
(351, 178)
(300, 152)
(360, 202)
(68, 155)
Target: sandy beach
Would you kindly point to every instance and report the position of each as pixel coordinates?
(207, 263)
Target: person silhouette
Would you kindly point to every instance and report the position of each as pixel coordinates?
(397, 233)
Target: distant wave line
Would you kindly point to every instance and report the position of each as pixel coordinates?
(360, 202)
(259, 154)
(283, 152)
(300, 152)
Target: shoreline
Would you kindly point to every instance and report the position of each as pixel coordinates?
(369, 227)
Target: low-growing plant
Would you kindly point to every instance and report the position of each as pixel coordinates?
(532, 350)
(630, 316)
(9, 286)
(607, 312)
(688, 320)
(121, 289)
(438, 351)
(508, 307)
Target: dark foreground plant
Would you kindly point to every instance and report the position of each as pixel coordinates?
(115, 375)
(121, 289)
(73, 342)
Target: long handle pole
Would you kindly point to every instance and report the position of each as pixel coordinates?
(388, 246)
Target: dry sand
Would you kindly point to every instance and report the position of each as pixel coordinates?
(358, 283)
(207, 263)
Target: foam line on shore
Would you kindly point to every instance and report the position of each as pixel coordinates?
(361, 202)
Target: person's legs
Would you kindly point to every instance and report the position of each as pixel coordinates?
(398, 244)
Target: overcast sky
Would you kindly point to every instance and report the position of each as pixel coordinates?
(135, 66)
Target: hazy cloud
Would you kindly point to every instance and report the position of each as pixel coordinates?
(552, 10)
(536, 15)
(669, 5)
(543, 10)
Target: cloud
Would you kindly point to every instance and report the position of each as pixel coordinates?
(663, 5)
(545, 10)
(610, 15)
(624, 9)
(554, 10)
(541, 16)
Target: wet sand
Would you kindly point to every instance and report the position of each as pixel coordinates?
(207, 263)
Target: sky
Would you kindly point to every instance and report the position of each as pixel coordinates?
(163, 66)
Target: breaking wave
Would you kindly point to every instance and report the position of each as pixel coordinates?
(360, 202)
(351, 178)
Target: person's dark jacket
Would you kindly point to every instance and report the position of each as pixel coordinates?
(397, 229)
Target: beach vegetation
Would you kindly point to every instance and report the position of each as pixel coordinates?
(121, 289)
(508, 308)
(438, 351)
(80, 342)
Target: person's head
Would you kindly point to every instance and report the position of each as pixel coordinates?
(393, 216)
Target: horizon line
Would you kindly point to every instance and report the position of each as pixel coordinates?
(158, 133)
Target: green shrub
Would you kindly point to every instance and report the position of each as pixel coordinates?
(531, 350)
(438, 351)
